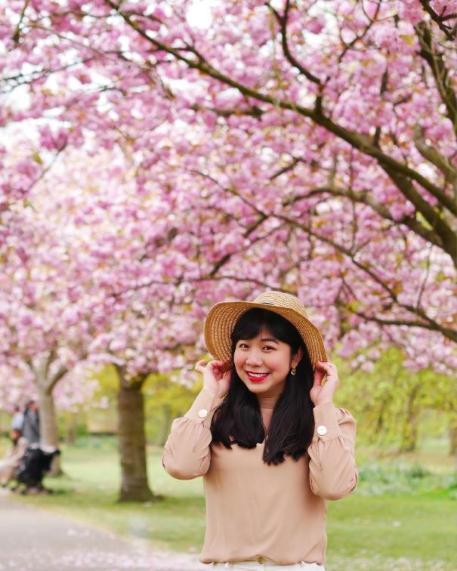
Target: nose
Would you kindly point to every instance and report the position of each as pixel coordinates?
(254, 358)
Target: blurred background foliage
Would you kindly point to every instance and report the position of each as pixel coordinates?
(396, 408)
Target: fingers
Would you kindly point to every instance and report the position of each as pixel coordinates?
(326, 366)
(202, 365)
(226, 367)
(324, 371)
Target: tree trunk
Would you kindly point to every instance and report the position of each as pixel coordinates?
(132, 442)
(49, 433)
(453, 437)
(70, 428)
(410, 425)
(409, 438)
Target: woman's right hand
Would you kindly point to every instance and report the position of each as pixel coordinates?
(216, 378)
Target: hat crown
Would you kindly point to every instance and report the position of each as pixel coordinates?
(223, 316)
(281, 299)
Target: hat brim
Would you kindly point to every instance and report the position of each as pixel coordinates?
(223, 316)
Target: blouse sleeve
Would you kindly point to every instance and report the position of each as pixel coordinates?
(187, 451)
(332, 469)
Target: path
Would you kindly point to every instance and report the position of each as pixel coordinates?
(32, 539)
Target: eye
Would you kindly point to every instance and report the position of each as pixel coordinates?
(242, 345)
(269, 348)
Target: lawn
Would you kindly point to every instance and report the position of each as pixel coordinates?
(402, 517)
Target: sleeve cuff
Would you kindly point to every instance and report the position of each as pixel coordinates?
(204, 406)
(326, 421)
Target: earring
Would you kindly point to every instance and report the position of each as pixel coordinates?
(293, 371)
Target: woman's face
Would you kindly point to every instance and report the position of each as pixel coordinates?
(263, 363)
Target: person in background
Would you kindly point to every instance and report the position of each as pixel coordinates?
(9, 464)
(31, 424)
(18, 418)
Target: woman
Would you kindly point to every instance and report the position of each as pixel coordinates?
(266, 437)
(9, 465)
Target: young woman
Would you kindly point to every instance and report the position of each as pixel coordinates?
(266, 437)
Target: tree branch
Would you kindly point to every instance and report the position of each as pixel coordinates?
(364, 197)
(401, 171)
(442, 163)
(426, 321)
(447, 236)
(445, 331)
(282, 21)
(449, 32)
(443, 79)
(17, 31)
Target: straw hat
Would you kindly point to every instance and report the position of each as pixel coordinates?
(223, 316)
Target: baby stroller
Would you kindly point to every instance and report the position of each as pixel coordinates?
(33, 466)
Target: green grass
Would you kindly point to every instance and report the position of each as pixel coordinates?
(420, 527)
(402, 517)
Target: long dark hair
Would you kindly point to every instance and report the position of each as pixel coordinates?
(238, 419)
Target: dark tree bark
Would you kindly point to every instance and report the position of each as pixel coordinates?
(453, 437)
(132, 441)
(410, 426)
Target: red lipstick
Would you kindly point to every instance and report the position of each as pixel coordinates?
(256, 378)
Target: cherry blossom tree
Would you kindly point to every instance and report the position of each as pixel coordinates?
(89, 266)
(331, 124)
(39, 345)
(307, 146)
(73, 294)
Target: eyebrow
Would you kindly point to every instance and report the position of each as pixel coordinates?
(263, 339)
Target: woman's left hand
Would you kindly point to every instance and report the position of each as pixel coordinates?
(321, 392)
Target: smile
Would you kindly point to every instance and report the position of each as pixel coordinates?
(257, 377)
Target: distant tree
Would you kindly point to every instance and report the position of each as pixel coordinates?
(389, 399)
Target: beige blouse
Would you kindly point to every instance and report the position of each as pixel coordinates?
(259, 512)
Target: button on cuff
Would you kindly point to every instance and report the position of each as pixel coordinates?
(205, 401)
(322, 430)
(326, 415)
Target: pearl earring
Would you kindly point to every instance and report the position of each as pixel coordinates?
(293, 371)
